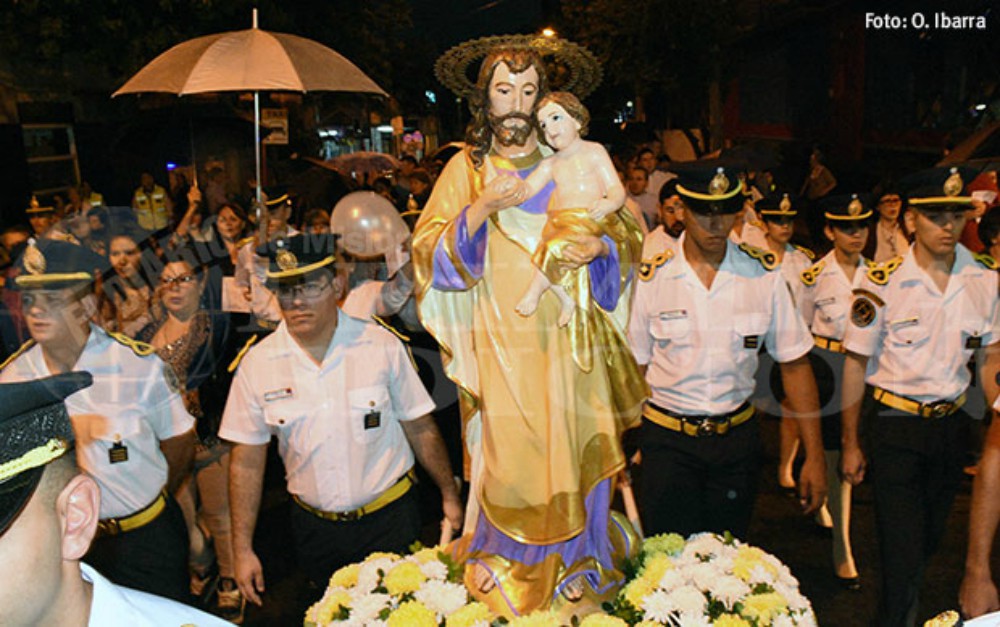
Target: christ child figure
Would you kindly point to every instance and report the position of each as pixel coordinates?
(587, 190)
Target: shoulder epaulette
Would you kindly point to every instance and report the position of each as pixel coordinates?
(239, 356)
(20, 351)
(879, 273)
(809, 275)
(766, 258)
(647, 268)
(246, 240)
(987, 261)
(404, 338)
(805, 251)
(141, 349)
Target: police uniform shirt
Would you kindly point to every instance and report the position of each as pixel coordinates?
(656, 241)
(130, 405)
(338, 423)
(117, 605)
(701, 344)
(919, 340)
(793, 263)
(825, 302)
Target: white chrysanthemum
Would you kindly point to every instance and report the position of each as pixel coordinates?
(693, 620)
(434, 570)
(368, 577)
(760, 574)
(688, 600)
(672, 579)
(367, 607)
(442, 597)
(807, 619)
(657, 607)
(796, 601)
(703, 575)
(728, 590)
(704, 544)
(782, 620)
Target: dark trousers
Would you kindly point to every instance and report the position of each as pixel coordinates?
(323, 546)
(152, 558)
(916, 470)
(692, 484)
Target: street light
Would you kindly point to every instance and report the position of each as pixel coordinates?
(548, 31)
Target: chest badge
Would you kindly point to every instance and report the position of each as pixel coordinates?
(862, 312)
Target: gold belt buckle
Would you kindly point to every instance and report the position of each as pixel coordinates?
(109, 527)
(939, 409)
(706, 428)
(350, 516)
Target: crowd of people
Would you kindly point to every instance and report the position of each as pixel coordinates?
(207, 330)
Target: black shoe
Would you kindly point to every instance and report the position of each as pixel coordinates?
(852, 584)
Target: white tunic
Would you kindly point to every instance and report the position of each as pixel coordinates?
(920, 340)
(825, 305)
(701, 343)
(338, 423)
(130, 403)
(117, 606)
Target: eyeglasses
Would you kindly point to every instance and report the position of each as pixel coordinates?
(45, 299)
(181, 280)
(305, 291)
(890, 200)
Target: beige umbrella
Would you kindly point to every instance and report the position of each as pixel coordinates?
(249, 60)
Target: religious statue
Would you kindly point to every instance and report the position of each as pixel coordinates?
(543, 406)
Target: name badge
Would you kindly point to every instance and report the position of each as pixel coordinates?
(277, 395)
(118, 453)
(373, 419)
(905, 322)
(974, 341)
(751, 341)
(674, 314)
(826, 301)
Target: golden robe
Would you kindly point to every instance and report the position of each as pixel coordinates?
(545, 430)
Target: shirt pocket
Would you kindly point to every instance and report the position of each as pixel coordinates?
(290, 422)
(125, 426)
(831, 319)
(370, 410)
(674, 338)
(748, 335)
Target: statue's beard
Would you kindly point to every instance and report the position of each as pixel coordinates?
(509, 133)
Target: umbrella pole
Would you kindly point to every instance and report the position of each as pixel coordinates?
(256, 147)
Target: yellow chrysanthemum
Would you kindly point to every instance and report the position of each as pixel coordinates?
(536, 619)
(330, 605)
(670, 543)
(764, 607)
(346, 576)
(655, 567)
(412, 614)
(747, 558)
(602, 620)
(647, 623)
(470, 615)
(730, 620)
(425, 555)
(637, 590)
(379, 555)
(403, 578)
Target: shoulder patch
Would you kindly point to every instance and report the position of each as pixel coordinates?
(863, 312)
(240, 355)
(403, 338)
(879, 273)
(141, 349)
(647, 268)
(20, 351)
(988, 262)
(805, 251)
(810, 275)
(872, 296)
(766, 258)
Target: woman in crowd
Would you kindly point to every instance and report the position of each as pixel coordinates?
(128, 292)
(887, 239)
(195, 342)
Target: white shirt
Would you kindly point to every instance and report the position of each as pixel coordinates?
(319, 412)
(826, 303)
(919, 340)
(657, 241)
(117, 606)
(362, 301)
(701, 343)
(793, 263)
(130, 403)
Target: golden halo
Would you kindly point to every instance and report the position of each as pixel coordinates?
(583, 71)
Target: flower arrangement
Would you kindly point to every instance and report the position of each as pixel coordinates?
(705, 581)
(710, 581)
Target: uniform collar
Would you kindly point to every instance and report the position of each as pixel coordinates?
(682, 268)
(348, 330)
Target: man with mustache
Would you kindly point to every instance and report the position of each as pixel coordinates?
(914, 324)
(541, 431)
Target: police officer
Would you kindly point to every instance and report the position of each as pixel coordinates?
(914, 324)
(823, 294)
(699, 318)
(133, 434)
(48, 517)
(349, 413)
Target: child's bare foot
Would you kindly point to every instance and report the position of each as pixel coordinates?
(482, 578)
(573, 591)
(566, 305)
(528, 304)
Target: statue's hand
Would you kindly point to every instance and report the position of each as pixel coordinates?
(583, 249)
(502, 192)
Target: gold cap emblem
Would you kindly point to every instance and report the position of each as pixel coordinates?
(33, 205)
(719, 184)
(34, 260)
(954, 184)
(855, 208)
(286, 259)
(785, 205)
